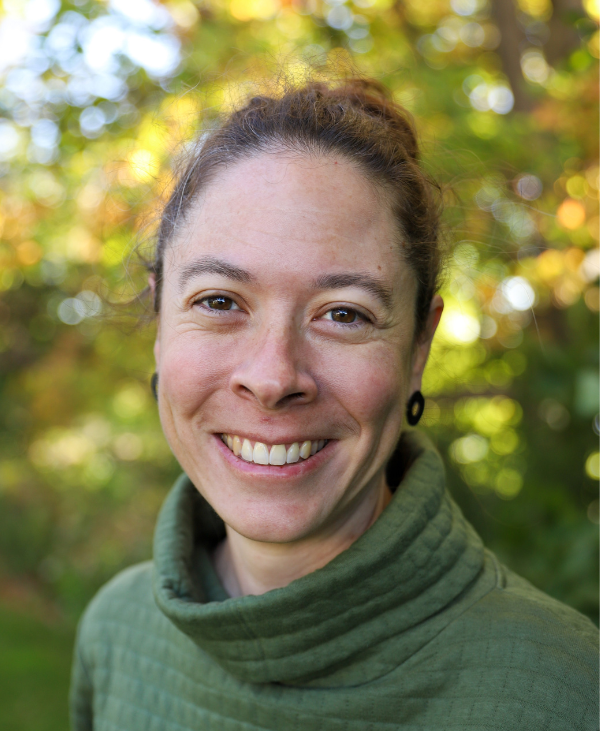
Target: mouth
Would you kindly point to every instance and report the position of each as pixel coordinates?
(272, 454)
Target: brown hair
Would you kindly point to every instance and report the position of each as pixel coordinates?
(356, 119)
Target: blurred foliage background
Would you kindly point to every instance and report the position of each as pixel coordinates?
(97, 97)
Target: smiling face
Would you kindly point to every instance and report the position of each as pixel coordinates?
(287, 316)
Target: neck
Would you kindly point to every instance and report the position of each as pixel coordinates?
(248, 567)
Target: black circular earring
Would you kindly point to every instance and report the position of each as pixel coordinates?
(415, 408)
(154, 385)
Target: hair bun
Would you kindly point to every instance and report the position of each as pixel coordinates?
(371, 97)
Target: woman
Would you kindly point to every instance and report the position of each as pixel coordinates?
(310, 570)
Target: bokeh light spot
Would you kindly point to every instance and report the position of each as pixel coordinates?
(592, 466)
(508, 483)
(528, 187)
(534, 67)
(518, 293)
(590, 266)
(130, 401)
(9, 140)
(592, 8)
(570, 214)
(555, 414)
(471, 448)
(460, 327)
(143, 165)
(464, 7)
(250, 9)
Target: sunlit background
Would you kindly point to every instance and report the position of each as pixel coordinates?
(95, 100)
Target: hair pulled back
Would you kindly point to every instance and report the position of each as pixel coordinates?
(355, 118)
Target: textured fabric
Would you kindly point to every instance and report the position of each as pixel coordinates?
(415, 626)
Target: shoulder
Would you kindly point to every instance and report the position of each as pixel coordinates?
(514, 624)
(518, 651)
(537, 648)
(124, 603)
(131, 584)
(516, 610)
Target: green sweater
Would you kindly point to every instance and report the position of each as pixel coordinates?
(415, 626)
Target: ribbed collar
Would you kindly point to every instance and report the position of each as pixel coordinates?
(368, 610)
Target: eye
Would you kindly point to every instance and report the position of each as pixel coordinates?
(344, 315)
(219, 302)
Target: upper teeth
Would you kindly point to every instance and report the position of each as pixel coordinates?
(276, 454)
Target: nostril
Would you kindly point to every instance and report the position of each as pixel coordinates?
(286, 399)
(293, 397)
(272, 390)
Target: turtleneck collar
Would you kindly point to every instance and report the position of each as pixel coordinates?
(358, 617)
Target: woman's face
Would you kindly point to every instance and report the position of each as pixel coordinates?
(287, 316)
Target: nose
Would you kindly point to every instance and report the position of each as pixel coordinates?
(271, 373)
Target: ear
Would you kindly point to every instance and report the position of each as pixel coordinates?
(152, 285)
(423, 344)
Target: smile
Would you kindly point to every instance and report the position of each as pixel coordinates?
(275, 454)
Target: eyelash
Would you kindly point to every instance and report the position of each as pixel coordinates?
(214, 310)
(361, 318)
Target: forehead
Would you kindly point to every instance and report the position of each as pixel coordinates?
(285, 211)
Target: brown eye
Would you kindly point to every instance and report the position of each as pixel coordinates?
(219, 302)
(344, 314)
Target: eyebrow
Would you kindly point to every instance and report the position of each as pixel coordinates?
(373, 285)
(211, 265)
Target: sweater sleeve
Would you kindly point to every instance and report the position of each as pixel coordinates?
(81, 692)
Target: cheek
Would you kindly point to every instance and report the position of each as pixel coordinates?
(370, 385)
(191, 369)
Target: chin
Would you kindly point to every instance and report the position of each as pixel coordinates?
(273, 520)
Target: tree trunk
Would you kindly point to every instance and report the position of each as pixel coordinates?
(564, 39)
(512, 42)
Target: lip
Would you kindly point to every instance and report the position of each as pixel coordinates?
(279, 472)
